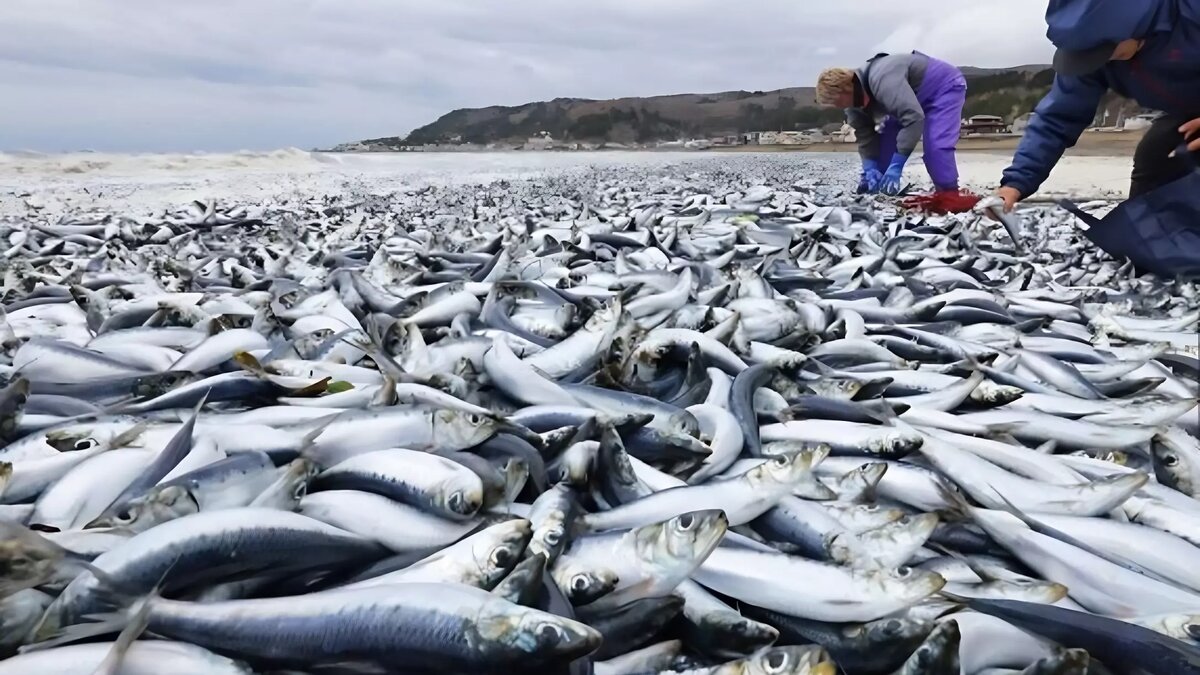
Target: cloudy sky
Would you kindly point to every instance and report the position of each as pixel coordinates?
(183, 75)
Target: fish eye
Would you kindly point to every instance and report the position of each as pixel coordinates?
(548, 632)
(1170, 460)
(501, 557)
(474, 418)
(781, 460)
(580, 583)
(125, 515)
(686, 521)
(892, 626)
(86, 443)
(904, 572)
(552, 537)
(776, 662)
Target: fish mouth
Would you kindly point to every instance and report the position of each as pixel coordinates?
(823, 668)
(931, 585)
(577, 640)
(464, 503)
(748, 632)
(522, 432)
(921, 525)
(1055, 592)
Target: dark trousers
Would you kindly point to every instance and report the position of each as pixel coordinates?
(1152, 167)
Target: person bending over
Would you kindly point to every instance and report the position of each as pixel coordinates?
(893, 103)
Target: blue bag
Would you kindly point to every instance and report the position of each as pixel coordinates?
(1158, 231)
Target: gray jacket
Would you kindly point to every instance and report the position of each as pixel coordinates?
(892, 81)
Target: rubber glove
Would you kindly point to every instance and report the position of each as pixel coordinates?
(871, 177)
(890, 185)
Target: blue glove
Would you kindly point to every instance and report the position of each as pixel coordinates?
(871, 177)
(890, 185)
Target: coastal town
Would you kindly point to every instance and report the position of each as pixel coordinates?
(826, 137)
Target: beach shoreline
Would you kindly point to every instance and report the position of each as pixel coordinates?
(145, 183)
(1091, 144)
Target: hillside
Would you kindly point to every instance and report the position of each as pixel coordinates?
(1004, 92)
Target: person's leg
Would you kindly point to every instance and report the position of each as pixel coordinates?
(943, 95)
(1153, 166)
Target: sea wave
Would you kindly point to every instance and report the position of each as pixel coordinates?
(74, 163)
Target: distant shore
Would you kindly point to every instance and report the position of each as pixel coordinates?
(1091, 144)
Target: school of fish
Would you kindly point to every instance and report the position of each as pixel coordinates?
(616, 422)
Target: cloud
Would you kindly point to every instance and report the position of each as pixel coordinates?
(227, 74)
(979, 35)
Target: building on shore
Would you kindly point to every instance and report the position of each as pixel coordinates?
(845, 134)
(983, 124)
(1139, 122)
(1020, 124)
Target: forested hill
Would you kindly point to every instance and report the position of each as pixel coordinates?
(1004, 92)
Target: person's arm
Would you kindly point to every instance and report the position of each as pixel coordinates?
(889, 83)
(864, 133)
(1057, 125)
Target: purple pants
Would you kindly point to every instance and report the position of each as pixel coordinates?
(942, 96)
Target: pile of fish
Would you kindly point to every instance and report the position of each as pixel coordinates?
(615, 423)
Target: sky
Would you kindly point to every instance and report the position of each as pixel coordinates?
(223, 75)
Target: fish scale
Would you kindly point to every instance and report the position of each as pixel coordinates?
(777, 412)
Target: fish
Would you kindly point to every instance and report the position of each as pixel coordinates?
(622, 420)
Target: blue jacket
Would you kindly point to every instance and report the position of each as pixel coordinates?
(1165, 75)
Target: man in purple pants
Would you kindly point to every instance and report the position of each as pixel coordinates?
(891, 103)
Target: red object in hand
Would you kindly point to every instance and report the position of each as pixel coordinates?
(943, 202)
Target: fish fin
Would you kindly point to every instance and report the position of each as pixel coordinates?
(885, 414)
(954, 597)
(958, 506)
(977, 363)
(1117, 559)
(249, 363)
(1003, 430)
(310, 439)
(974, 567)
(130, 435)
(821, 368)
(137, 623)
(103, 624)
(129, 619)
(1047, 448)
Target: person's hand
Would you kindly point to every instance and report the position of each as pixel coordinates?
(869, 182)
(1189, 130)
(1011, 196)
(890, 185)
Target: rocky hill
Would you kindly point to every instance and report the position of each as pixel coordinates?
(1005, 92)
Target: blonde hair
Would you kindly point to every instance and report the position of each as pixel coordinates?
(832, 83)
